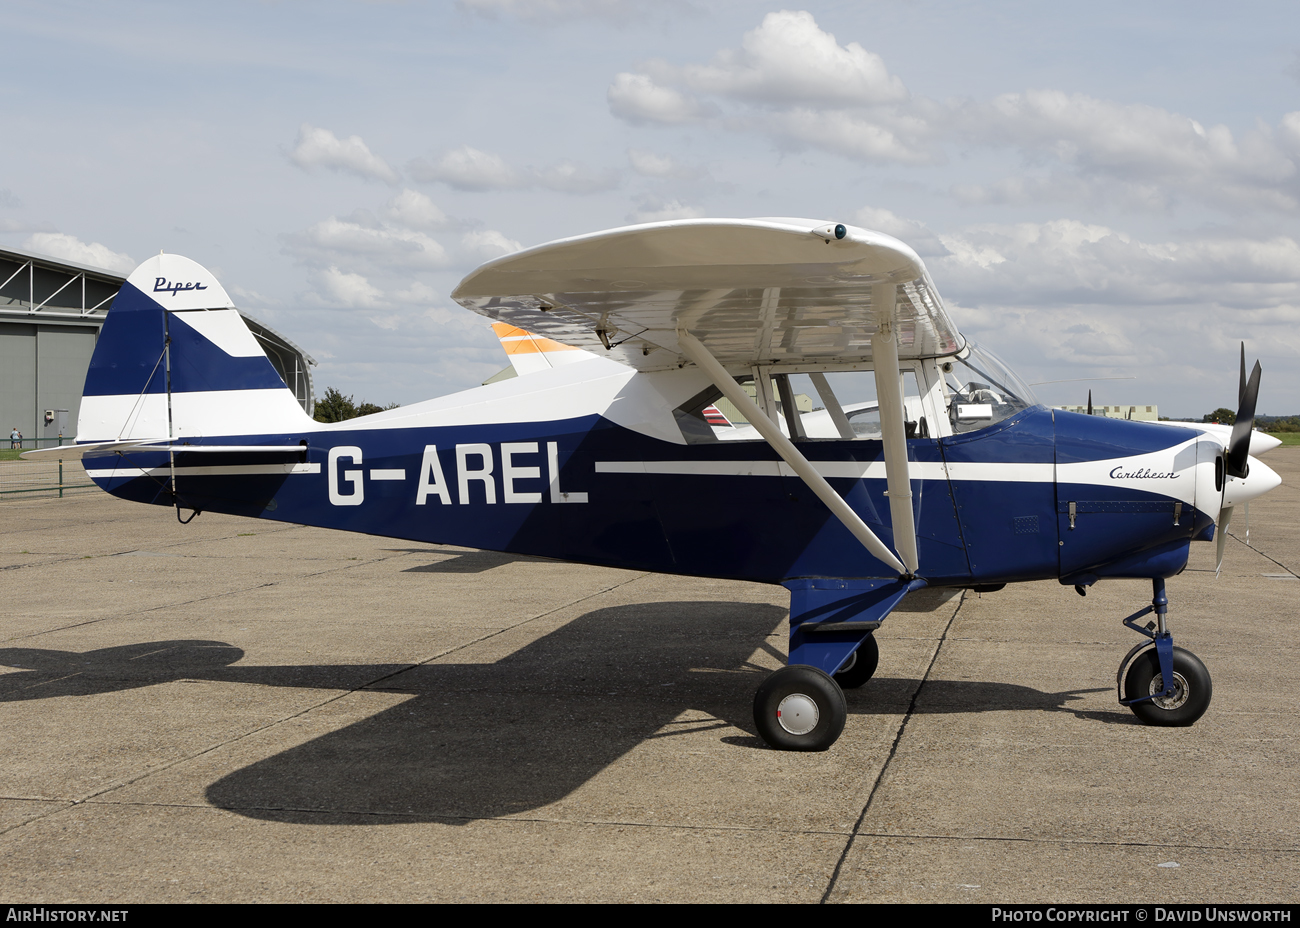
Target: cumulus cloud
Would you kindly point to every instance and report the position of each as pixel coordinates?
(1026, 190)
(574, 177)
(788, 60)
(467, 168)
(389, 259)
(796, 84)
(793, 82)
(1142, 154)
(416, 292)
(413, 210)
(1067, 296)
(872, 136)
(331, 240)
(321, 147)
(249, 297)
(637, 99)
(71, 248)
(345, 289)
(652, 164)
(1070, 262)
(915, 234)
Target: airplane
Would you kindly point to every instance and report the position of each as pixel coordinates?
(606, 449)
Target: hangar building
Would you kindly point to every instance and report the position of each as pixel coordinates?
(51, 311)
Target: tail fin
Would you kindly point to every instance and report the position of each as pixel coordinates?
(175, 360)
(529, 353)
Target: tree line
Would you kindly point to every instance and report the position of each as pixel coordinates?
(335, 407)
(1264, 423)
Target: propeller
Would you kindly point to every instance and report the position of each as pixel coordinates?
(1090, 402)
(1236, 458)
(1241, 384)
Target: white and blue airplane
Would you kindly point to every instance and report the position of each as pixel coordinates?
(618, 456)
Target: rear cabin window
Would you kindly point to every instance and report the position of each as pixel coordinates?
(798, 401)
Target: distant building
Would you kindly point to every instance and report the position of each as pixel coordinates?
(1140, 413)
(51, 311)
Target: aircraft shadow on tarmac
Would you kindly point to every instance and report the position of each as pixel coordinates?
(476, 741)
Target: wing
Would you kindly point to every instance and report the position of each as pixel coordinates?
(753, 291)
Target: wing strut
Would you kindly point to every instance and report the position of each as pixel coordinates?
(692, 348)
(889, 392)
(833, 407)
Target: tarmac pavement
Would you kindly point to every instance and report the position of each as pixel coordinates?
(239, 710)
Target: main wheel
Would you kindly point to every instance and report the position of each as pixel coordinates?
(1192, 689)
(800, 708)
(861, 666)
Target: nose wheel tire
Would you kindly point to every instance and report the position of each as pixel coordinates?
(861, 666)
(1188, 702)
(800, 708)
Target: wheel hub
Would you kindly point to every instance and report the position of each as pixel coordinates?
(1179, 695)
(797, 714)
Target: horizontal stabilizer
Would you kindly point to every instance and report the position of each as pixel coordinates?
(100, 448)
(73, 452)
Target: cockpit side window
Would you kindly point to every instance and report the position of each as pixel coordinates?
(698, 417)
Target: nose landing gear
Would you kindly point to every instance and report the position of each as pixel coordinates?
(1164, 686)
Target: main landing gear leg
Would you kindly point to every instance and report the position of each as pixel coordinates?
(1165, 685)
(801, 707)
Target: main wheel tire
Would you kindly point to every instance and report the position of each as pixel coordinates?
(1192, 689)
(800, 708)
(861, 666)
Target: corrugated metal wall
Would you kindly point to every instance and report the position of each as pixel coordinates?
(41, 367)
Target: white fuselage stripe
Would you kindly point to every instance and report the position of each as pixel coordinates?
(1158, 473)
(853, 470)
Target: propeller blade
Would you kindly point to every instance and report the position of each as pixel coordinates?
(1090, 402)
(1236, 461)
(1221, 538)
(1241, 388)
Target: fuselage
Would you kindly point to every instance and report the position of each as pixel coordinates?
(510, 467)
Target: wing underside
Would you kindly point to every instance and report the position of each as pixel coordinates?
(753, 292)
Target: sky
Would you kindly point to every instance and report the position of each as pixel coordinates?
(1104, 193)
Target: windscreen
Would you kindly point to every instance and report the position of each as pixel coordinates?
(981, 390)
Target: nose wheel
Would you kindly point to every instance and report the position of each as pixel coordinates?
(1191, 689)
(800, 708)
(1165, 685)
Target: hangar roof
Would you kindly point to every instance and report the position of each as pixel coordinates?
(41, 288)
